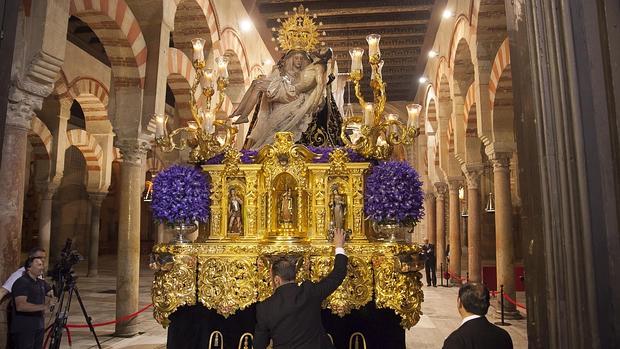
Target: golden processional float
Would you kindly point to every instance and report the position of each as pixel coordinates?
(284, 203)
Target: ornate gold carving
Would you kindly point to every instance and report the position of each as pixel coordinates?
(227, 284)
(338, 160)
(356, 289)
(228, 273)
(299, 31)
(174, 285)
(401, 292)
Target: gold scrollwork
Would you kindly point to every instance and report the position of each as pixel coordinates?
(356, 289)
(174, 287)
(227, 284)
(401, 292)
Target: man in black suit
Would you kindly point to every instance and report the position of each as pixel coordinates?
(291, 317)
(476, 332)
(430, 264)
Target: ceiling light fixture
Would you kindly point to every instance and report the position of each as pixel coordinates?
(432, 54)
(447, 13)
(423, 79)
(245, 25)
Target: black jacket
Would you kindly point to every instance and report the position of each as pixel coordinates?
(478, 333)
(291, 317)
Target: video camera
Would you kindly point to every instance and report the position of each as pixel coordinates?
(63, 268)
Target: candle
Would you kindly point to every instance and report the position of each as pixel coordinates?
(393, 117)
(207, 122)
(356, 58)
(369, 115)
(376, 71)
(198, 45)
(159, 130)
(373, 44)
(206, 80)
(414, 111)
(222, 67)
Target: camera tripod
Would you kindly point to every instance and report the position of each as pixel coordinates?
(66, 292)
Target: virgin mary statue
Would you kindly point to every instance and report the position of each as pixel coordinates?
(294, 98)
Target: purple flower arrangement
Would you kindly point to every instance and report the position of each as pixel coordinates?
(394, 193)
(181, 194)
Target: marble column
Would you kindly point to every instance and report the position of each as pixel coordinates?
(442, 189)
(161, 233)
(47, 192)
(128, 272)
(455, 230)
(12, 175)
(431, 219)
(95, 217)
(474, 266)
(504, 241)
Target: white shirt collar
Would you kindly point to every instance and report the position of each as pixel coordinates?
(470, 317)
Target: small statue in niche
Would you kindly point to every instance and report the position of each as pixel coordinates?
(235, 213)
(285, 210)
(338, 216)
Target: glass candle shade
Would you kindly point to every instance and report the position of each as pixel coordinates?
(414, 111)
(222, 67)
(356, 58)
(198, 45)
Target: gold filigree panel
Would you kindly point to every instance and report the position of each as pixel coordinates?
(173, 286)
(227, 284)
(356, 289)
(401, 292)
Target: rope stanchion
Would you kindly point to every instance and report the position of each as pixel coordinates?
(501, 302)
(121, 319)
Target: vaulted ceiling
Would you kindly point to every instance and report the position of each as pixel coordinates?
(405, 26)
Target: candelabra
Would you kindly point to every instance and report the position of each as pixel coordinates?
(376, 134)
(204, 135)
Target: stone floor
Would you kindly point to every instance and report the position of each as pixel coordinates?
(439, 319)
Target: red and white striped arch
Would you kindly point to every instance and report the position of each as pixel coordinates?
(93, 97)
(121, 36)
(501, 61)
(40, 139)
(232, 42)
(181, 75)
(469, 115)
(195, 18)
(93, 154)
(462, 30)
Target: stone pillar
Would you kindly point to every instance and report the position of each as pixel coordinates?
(128, 270)
(20, 110)
(455, 230)
(161, 233)
(47, 192)
(474, 266)
(93, 247)
(504, 241)
(431, 219)
(442, 189)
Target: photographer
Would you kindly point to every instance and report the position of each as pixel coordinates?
(29, 296)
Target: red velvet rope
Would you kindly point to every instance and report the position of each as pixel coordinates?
(507, 297)
(121, 319)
